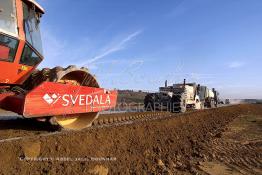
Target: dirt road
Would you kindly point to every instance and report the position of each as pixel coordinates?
(185, 144)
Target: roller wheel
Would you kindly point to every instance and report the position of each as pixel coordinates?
(74, 122)
(73, 76)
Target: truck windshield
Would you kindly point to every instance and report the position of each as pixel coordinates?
(32, 28)
(8, 23)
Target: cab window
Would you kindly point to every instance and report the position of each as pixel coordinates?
(8, 47)
(32, 27)
(8, 23)
(29, 57)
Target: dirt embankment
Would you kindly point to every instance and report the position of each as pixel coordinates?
(171, 146)
(129, 96)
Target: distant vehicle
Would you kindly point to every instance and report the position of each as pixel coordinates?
(227, 101)
(180, 97)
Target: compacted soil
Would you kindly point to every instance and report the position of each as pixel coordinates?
(225, 140)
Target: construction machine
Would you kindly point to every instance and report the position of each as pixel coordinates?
(208, 97)
(68, 97)
(227, 101)
(180, 97)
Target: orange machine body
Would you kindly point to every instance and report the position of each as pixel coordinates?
(21, 53)
(15, 72)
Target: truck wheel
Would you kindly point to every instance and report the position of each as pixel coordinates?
(202, 105)
(149, 102)
(212, 104)
(178, 103)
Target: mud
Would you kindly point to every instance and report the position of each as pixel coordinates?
(175, 145)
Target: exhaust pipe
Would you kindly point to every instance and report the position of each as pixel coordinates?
(198, 88)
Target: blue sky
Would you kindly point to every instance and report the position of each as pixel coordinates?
(138, 44)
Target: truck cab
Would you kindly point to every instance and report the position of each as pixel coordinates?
(20, 40)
